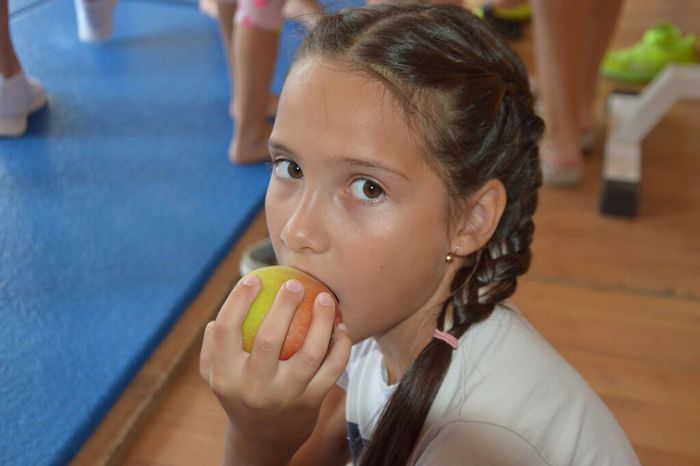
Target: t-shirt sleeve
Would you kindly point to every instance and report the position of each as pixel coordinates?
(467, 443)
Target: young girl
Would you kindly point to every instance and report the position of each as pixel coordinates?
(405, 177)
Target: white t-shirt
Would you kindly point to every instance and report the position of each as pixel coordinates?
(508, 398)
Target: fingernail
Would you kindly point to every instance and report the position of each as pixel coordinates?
(325, 299)
(341, 326)
(250, 280)
(294, 286)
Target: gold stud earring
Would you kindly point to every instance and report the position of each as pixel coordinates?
(450, 257)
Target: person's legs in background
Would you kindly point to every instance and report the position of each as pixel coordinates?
(600, 24)
(19, 94)
(9, 64)
(569, 43)
(226, 11)
(255, 41)
(559, 48)
(253, 51)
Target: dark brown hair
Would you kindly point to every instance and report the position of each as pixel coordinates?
(467, 95)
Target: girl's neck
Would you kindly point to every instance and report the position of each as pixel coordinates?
(400, 347)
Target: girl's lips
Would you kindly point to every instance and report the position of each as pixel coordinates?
(337, 300)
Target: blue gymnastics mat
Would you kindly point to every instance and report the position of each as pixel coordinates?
(114, 209)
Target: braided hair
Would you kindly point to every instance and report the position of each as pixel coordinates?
(467, 94)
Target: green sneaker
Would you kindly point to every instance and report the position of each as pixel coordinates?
(661, 45)
(521, 13)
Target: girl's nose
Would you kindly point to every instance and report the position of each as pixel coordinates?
(304, 231)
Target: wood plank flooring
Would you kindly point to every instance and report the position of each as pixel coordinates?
(619, 299)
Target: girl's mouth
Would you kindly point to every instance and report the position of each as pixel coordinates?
(335, 296)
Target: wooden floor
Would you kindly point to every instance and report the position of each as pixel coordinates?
(620, 299)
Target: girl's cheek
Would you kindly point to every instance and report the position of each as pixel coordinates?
(279, 197)
(364, 217)
(275, 214)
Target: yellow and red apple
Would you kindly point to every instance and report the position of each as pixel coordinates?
(272, 278)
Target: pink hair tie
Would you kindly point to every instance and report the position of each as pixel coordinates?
(446, 337)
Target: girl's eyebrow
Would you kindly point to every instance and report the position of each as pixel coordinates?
(364, 163)
(275, 146)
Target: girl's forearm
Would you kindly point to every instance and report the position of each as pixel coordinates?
(241, 450)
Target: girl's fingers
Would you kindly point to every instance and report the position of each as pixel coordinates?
(334, 364)
(308, 359)
(264, 357)
(236, 306)
(223, 344)
(205, 353)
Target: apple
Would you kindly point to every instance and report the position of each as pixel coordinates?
(272, 278)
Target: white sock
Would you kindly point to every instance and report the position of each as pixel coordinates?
(94, 19)
(19, 97)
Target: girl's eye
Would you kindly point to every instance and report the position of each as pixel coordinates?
(287, 169)
(366, 190)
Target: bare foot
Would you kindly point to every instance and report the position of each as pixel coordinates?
(561, 160)
(250, 146)
(308, 12)
(588, 131)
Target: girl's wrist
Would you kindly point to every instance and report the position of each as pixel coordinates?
(246, 450)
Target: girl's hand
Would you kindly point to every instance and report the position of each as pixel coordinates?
(272, 405)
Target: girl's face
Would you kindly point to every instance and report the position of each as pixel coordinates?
(352, 202)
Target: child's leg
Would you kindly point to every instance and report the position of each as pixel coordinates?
(599, 27)
(558, 51)
(255, 42)
(226, 10)
(9, 64)
(19, 94)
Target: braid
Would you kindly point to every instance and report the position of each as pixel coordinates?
(467, 94)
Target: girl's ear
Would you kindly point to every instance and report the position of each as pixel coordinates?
(481, 214)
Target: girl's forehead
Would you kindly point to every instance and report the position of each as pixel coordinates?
(333, 83)
(326, 105)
